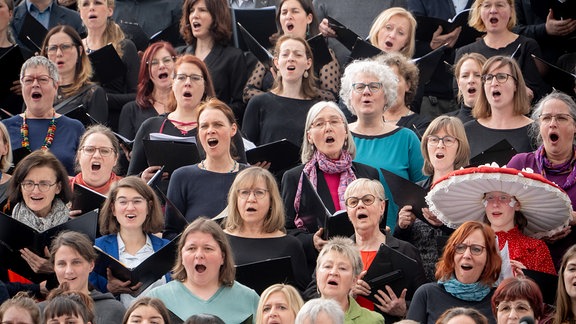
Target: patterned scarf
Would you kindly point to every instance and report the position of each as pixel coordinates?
(568, 167)
(343, 166)
(468, 292)
(58, 214)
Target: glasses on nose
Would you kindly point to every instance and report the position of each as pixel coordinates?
(475, 249)
(64, 47)
(181, 77)
(43, 186)
(104, 151)
(168, 60)
(502, 199)
(43, 80)
(367, 200)
(561, 119)
(321, 123)
(136, 202)
(258, 193)
(500, 77)
(507, 308)
(448, 140)
(372, 86)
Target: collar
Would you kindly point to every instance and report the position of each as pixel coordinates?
(31, 7)
(122, 247)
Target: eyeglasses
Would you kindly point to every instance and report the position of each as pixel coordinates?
(136, 202)
(64, 47)
(168, 60)
(181, 77)
(561, 119)
(503, 199)
(448, 140)
(43, 186)
(519, 308)
(104, 151)
(42, 80)
(475, 249)
(372, 86)
(500, 77)
(245, 193)
(321, 123)
(367, 200)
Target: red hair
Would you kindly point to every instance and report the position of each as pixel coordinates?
(145, 85)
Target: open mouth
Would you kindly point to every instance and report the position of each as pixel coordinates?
(471, 90)
(362, 216)
(330, 140)
(162, 76)
(554, 137)
(96, 166)
(290, 68)
(332, 283)
(130, 216)
(289, 26)
(196, 25)
(92, 16)
(212, 142)
(251, 209)
(36, 95)
(494, 20)
(439, 156)
(466, 267)
(36, 198)
(200, 268)
(187, 94)
(389, 44)
(496, 94)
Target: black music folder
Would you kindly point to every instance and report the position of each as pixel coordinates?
(563, 9)
(261, 53)
(394, 269)
(548, 284)
(107, 64)
(15, 235)
(128, 143)
(260, 275)
(259, 22)
(18, 154)
(147, 272)
(362, 49)
(32, 33)
(138, 36)
(320, 51)
(11, 63)
(557, 77)
(315, 214)
(281, 154)
(405, 192)
(344, 35)
(86, 199)
(426, 26)
(501, 153)
(78, 112)
(170, 154)
(427, 64)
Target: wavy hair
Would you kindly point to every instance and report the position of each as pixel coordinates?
(384, 17)
(475, 19)
(145, 88)
(221, 29)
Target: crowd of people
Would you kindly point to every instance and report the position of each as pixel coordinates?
(457, 239)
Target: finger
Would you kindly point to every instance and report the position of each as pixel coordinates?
(390, 292)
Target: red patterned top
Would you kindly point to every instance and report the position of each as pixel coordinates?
(533, 253)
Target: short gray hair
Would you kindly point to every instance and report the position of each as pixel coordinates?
(310, 311)
(36, 61)
(346, 247)
(307, 147)
(534, 129)
(382, 72)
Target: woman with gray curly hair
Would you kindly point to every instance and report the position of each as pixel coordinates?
(368, 89)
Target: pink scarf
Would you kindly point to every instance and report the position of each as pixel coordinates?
(343, 166)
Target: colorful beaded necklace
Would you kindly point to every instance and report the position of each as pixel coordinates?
(49, 134)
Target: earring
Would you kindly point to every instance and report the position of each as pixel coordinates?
(307, 30)
(305, 74)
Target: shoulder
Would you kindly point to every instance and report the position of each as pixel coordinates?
(14, 120)
(296, 171)
(157, 242)
(240, 289)
(105, 240)
(70, 123)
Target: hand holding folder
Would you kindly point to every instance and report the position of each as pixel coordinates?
(315, 214)
(15, 236)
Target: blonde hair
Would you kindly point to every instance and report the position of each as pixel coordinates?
(290, 293)
(384, 17)
(475, 19)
